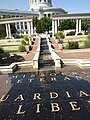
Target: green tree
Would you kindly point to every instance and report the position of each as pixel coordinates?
(86, 25)
(39, 27)
(59, 35)
(13, 28)
(46, 24)
(66, 24)
(2, 32)
(87, 42)
(1, 50)
(35, 21)
(22, 48)
(73, 45)
(42, 25)
(3, 29)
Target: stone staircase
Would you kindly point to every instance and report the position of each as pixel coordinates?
(45, 59)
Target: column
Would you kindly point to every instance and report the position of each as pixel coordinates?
(31, 27)
(46, 15)
(55, 26)
(77, 27)
(20, 28)
(53, 31)
(9, 31)
(80, 26)
(24, 28)
(58, 22)
(29, 30)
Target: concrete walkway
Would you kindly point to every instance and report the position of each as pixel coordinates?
(71, 54)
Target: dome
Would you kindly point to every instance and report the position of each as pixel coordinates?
(37, 4)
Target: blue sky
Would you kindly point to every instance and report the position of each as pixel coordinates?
(71, 6)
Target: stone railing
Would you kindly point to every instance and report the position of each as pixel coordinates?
(34, 63)
(36, 57)
(54, 56)
(14, 66)
(8, 69)
(83, 64)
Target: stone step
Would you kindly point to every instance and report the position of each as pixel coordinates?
(46, 63)
(45, 59)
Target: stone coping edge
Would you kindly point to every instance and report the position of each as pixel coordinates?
(79, 62)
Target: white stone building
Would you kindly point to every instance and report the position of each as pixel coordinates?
(38, 8)
(45, 8)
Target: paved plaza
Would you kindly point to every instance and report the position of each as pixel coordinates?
(45, 95)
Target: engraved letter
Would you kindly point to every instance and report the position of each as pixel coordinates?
(20, 112)
(74, 106)
(66, 78)
(53, 74)
(83, 94)
(19, 81)
(55, 107)
(4, 98)
(68, 94)
(36, 96)
(53, 95)
(88, 101)
(20, 97)
(38, 108)
(53, 79)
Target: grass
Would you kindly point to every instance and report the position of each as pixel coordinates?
(9, 45)
(11, 51)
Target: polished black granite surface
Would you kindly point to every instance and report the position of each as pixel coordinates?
(48, 95)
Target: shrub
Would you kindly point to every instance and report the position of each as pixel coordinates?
(21, 36)
(15, 35)
(87, 42)
(71, 33)
(1, 50)
(2, 37)
(86, 33)
(73, 45)
(88, 37)
(26, 38)
(79, 34)
(59, 35)
(60, 41)
(22, 48)
(23, 42)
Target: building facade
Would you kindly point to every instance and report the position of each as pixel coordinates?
(38, 8)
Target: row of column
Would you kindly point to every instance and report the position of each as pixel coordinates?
(8, 31)
(56, 23)
(78, 26)
(37, 1)
(29, 28)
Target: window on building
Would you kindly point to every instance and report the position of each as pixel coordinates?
(25, 25)
(44, 15)
(26, 32)
(49, 15)
(17, 25)
(21, 25)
